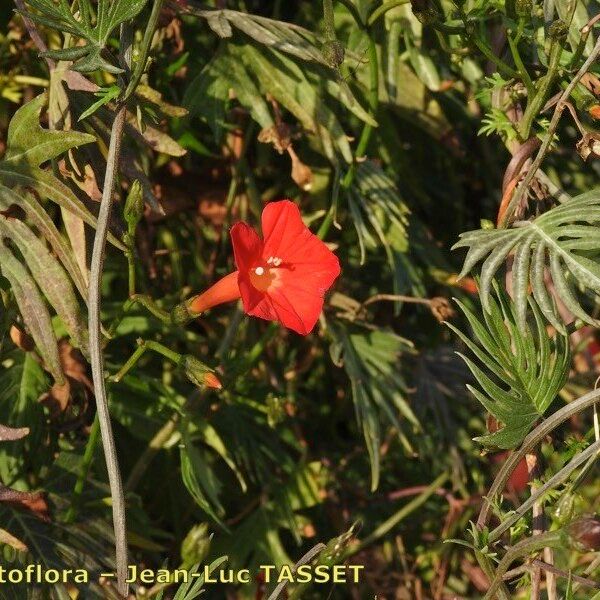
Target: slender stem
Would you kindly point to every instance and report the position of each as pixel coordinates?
(538, 434)
(328, 20)
(84, 469)
(94, 325)
(34, 34)
(365, 136)
(537, 101)
(514, 50)
(131, 272)
(534, 544)
(314, 551)
(504, 69)
(560, 477)
(94, 302)
(396, 298)
(381, 10)
(140, 65)
(153, 447)
(556, 571)
(406, 510)
(522, 189)
(143, 347)
(353, 11)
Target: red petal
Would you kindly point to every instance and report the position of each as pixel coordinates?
(247, 246)
(296, 308)
(312, 266)
(282, 228)
(309, 267)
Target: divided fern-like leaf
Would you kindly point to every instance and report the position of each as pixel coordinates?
(95, 27)
(370, 360)
(519, 368)
(564, 241)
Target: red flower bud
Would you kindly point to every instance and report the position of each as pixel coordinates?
(199, 373)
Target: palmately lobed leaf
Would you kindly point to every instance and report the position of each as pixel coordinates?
(563, 242)
(519, 369)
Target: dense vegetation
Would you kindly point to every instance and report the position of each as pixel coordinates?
(434, 423)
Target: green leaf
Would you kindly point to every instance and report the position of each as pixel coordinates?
(370, 360)
(105, 95)
(28, 146)
(200, 480)
(22, 382)
(193, 587)
(50, 277)
(519, 368)
(94, 29)
(43, 223)
(563, 240)
(284, 37)
(34, 310)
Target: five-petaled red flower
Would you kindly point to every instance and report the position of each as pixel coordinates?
(282, 277)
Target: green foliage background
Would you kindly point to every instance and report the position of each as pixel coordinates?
(392, 125)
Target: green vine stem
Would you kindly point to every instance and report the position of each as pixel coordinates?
(560, 477)
(140, 65)
(530, 442)
(97, 362)
(143, 347)
(365, 136)
(84, 468)
(515, 201)
(534, 544)
(538, 99)
(381, 10)
(94, 321)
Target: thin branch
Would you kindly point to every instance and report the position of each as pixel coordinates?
(560, 477)
(395, 298)
(538, 434)
(314, 551)
(585, 581)
(560, 106)
(34, 34)
(144, 49)
(94, 325)
(94, 302)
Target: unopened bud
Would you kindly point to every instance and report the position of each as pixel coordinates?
(134, 206)
(584, 534)
(199, 373)
(195, 546)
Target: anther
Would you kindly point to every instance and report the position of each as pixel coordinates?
(259, 270)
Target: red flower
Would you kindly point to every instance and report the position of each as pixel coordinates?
(282, 277)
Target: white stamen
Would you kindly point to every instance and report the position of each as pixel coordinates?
(270, 260)
(259, 270)
(277, 261)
